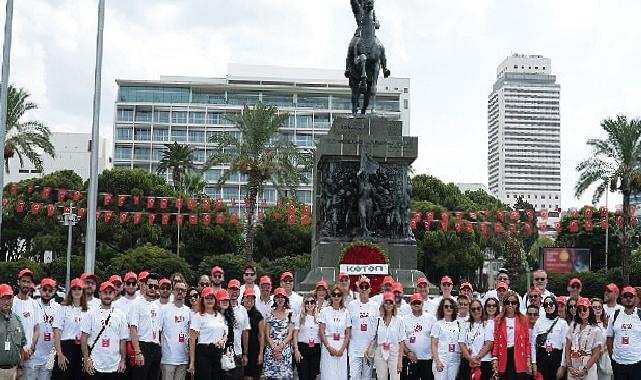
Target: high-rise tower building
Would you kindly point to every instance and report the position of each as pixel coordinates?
(524, 132)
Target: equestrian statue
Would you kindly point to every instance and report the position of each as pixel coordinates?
(365, 56)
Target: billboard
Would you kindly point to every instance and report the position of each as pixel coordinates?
(565, 260)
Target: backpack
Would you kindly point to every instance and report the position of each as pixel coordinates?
(616, 314)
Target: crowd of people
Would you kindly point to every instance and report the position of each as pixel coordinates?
(141, 326)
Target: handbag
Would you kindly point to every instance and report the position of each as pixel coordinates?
(542, 338)
(227, 361)
(604, 364)
(371, 349)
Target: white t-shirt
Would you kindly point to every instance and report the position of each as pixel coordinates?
(29, 314)
(45, 342)
(525, 301)
(106, 352)
(417, 330)
(295, 303)
(307, 332)
(211, 328)
(242, 324)
(124, 304)
(474, 335)
(174, 326)
(394, 333)
(626, 334)
(94, 303)
(404, 309)
(610, 310)
(336, 321)
(432, 305)
(509, 324)
(145, 315)
(556, 337)
(363, 317)
(67, 320)
(265, 307)
(447, 334)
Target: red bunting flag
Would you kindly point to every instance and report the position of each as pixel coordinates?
(445, 221)
(137, 217)
(278, 215)
(603, 211)
(514, 216)
(164, 218)
(164, 202)
(219, 204)
(544, 214)
(291, 209)
(588, 213)
(513, 228)
(304, 219)
(193, 218)
(530, 215)
(413, 225)
(429, 217)
(191, 203)
(108, 215)
(620, 221)
(473, 216)
(98, 216)
(81, 212)
(180, 218)
(151, 201)
(121, 200)
(483, 228)
(631, 209)
(574, 213)
(604, 223)
(206, 203)
(457, 227)
(291, 219)
(416, 217)
(469, 228)
(588, 225)
(66, 210)
(20, 206)
(106, 199)
(179, 203)
(151, 218)
(62, 195)
(51, 210)
(45, 193)
(543, 227)
(136, 200)
(306, 210)
(498, 228)
(633, 220)
(557, 227)
(13, 188)
(233, 218)
(501, 216)
(122, 218)
(527, 227)
(35, 208)
(206, 219)
(220, 218)
(574, 226)
(426, 225)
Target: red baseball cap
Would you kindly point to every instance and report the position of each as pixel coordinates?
(388, 296)
(397, 287)
(265, 280)
(501, 285)
(280, 292)
(612, 288)
(25, 272)
(106, 285)
(466, 285)
(388, 280)
(416, 297)
(222, 295)
(561, 299)
(208, 292)
(164, 281)
(249, 292)
(322, 284)
(115, 278)
(142, 276)
(342, 275)
(535, 290)
(422, 280)
(217, 269)
(131, 276)
(363, 280)
(89, 276)
(285, 275)
(583, 302)
(446, 280)
(5, 291)
(629, 289)
(48, 282)
(76, 282)
(233, 284)
(575, 281)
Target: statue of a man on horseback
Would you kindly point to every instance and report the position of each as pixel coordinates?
(365, 56)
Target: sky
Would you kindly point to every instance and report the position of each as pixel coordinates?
(448, 48)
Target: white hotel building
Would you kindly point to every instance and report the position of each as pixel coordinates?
(524, 133)
(190, 110)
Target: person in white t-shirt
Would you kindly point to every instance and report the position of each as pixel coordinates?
(418, 344)
(164, 292)
(295, 300)
(241, 328)
(321, 293)
(208, 327)
(401, 305)
(364, 314)
(29, 314)
(610, 297)
(344, 283)
(265, 301)
(249, 278)
(446, 352)
(446, 289)
(501, 277)
(335, 327)
(174, 326)
(117, 281)
(463, 306)
(104, 333)
(624, 338)
(66, 333)
(389, 343)
(90, 280)
(388, 282)
(475, 340)
(130, 285)
(144, 332)
(422, 288)
(48, 310)
(306, 341)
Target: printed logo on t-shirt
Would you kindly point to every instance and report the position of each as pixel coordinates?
(47, 319)
(26, 314)
(47, 337)
(105, 342)
(418, 328)
(152, 312)
(626, 326)
(179, 318)
(364, 314)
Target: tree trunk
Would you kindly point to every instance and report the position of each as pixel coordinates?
(625, 254)
(249, 237)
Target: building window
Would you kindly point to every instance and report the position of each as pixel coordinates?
(123, 153)
(179, 117)
(157, 153)
(142, 153)
(197, 117)
(197, 136)
(161, 134)
(179, 135)
(125, 115)
(198, 156)
(304, 121)
(304, 196)
(142, 134)
(315, 102)
(143, 116)
(216, 118)
(269, 195)
(213, 174)
(406, 104)
(406, 90)
(516, 66)
(230, 192)
(124, 134)
(161, 116)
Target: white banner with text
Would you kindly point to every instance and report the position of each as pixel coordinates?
(366, 269)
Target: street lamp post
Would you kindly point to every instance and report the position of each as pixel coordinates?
(69, 219)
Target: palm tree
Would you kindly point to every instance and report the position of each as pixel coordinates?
(615, 166)
(262, 154)
(24, 138)
(179, 160)
(194, 184)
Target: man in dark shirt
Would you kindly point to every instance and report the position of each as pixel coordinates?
(12, 337)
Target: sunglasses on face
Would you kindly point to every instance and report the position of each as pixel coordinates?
(152, 286)
(179, 290)
(540, 279)
(422, 286)
(534, 296)
(131, 283)
(571, 306)
(288, 281)
(597, 307)
(462, 305)
(337, 295)
(549, 304)
(575, 287)
(209, 298)
(511, 303)
(491, 305)
(344, 279)
(476, 309)
(194, 295)
(249, 274)
(388, 303)
(310, 302)
(417, 303)
(363, 287)
(582, 309)
(165, 288)
(46, 290)
(76, 288)
(204, 284)
(448, 307)
(447, 285)
(627, 296)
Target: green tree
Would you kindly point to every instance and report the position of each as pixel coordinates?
(152, 259)
(616, 166)
(24, 138)
(177, 159)
(262, 154)
(541, 242)
(276, 238)
(194, 184)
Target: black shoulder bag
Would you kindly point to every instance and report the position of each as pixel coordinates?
(100, 332)
(542, 338)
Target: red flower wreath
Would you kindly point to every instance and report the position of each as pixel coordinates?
(362, 252)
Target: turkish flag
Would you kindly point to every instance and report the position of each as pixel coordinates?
(136, 200)
(164, 202)
(164, 218)
(206, 219)
(108, 215)
(603, 211)
(291, 209)
(106, 199)
(574, 226)
(498, 228)
(459, 216)
(426, 225)
(588, 213)
(180, 218)
(631, 209)
(13, 188)
(179, 203)
(20, 206)
(98, 216)
(306, 209)
(193, 218)
(150, 202)
(51, 210)
(457, 227)
(528, 228)
(501, 216)
(45, 193)
(483, 228)
(413, 225)
(234, 218)
(220, 218)
(5, 201)
(574, 213)
(469, 228)
(633, 220)
(219, 204)
(66, 210)
(206, 203)
(620, 221)
(291, 219)
(604, 223)
(588, 226)
(544, 214)
(191, 203)
(151, 218)
(121, 200)
(304, 219)
(530, 215)
(62, 194)
(122, 218)
(473, 216)
(543, 227)
(137, 217)
(445, 217)
(35, 208)
(514, 216)
(445, 225)
(557, 227)
(81, 212)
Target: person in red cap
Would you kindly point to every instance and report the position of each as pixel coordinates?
(321, 294)
(423, 288)
(241, 327)
(66, 332)
(389, 343)
(501, 276)
(343, 282)
(363, 313)
(90, 280)
(279, 332)
(217, 278)
(388, 281)
(12, 335)
(264, 302)
(418, 343)
(28, 311)
(104, 333)
(624, 337)
(142, 278)
(131, 286)
(574, 288)
(501, 291)
(256, 337)
(402, 306)
(164, 292)
(144, 331)
(174, 342)
(249, 278)
(117, 281)
(466, 289)
(209, 329)
(583, 345)
(610, 298)
(446, 291)
(335, 332)
(295, 300)
(48, 310)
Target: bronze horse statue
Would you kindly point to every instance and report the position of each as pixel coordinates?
(365, 57)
